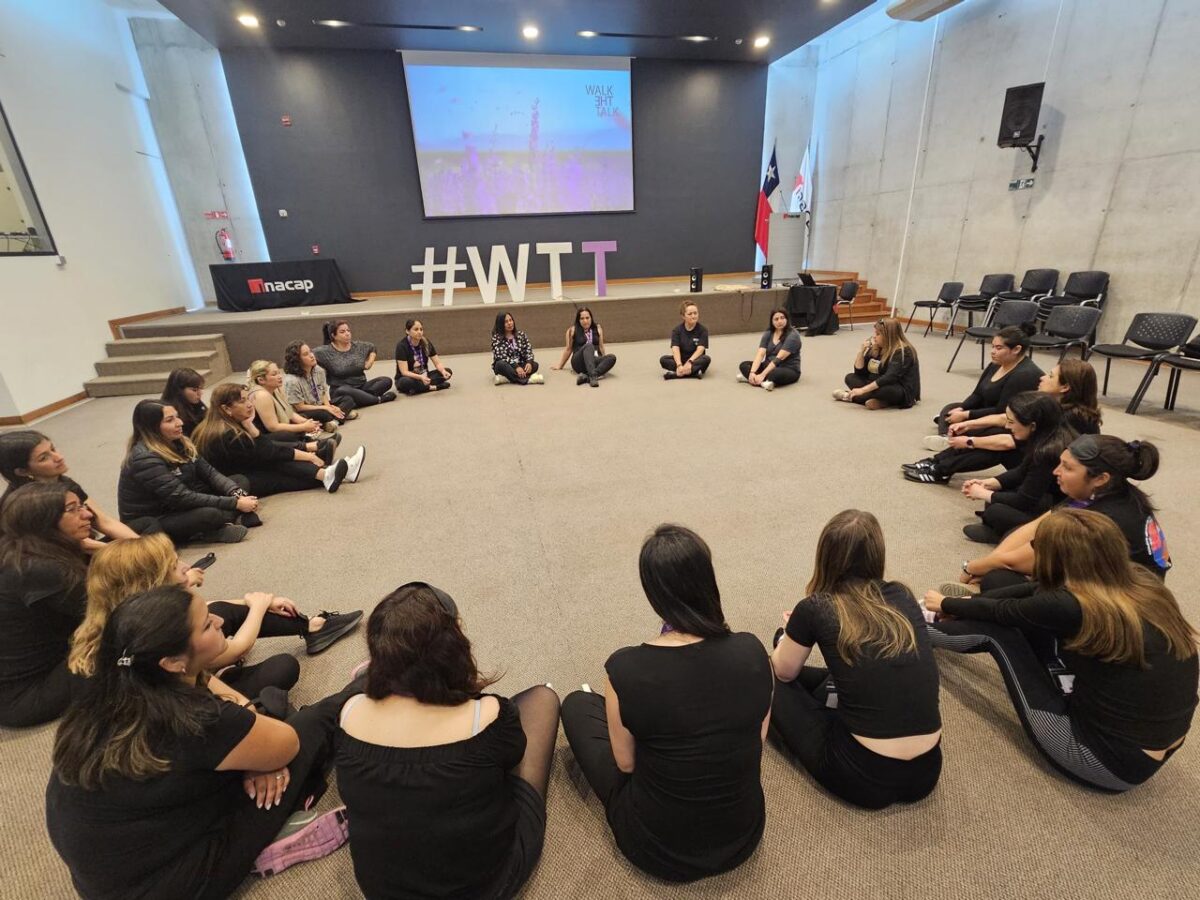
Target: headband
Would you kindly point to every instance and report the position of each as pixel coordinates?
(449, 607)
(1086, 449)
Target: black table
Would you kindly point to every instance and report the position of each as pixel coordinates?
(245, 287)
(813, 305)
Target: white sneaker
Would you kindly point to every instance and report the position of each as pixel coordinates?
(841, 394)
(499, 380)
(935, 443)
(335, 475)
(536, 378)
(768, 385)
(354, 464)
(742, 379)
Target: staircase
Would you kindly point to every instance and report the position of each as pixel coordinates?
(868, 305)
(140, 366)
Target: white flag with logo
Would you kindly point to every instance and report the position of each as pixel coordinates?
(801, 202)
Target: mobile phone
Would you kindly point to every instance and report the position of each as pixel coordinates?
(205, 561)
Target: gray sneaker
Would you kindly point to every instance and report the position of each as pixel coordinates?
(231, 533)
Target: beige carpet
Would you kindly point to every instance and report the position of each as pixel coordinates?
(529, 505)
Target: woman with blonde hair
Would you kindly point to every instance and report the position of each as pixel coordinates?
(868, 728)
(229, 439)
(274, 415)
(1120, 633)
(886, 371)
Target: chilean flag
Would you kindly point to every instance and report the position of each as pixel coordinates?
(762, 219)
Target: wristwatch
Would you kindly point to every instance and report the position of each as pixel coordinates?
(971, 443)
(966, 563)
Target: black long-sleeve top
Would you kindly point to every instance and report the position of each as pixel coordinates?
(236, 453)
(1031, 486)
(151, 486)
(991, 397)
(902, 368)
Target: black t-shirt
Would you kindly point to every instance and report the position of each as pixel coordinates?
(688, 341)
(161, 837)
(39, 614)
(694, 803)
(432, 821)
(1147, 542)
(991, 397)
(887, 697)
(418, 359)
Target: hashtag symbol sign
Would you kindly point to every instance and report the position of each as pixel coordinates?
(429, 271)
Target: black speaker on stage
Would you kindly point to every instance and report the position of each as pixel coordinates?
(1018, 122)
(696, 280)
(766, 276)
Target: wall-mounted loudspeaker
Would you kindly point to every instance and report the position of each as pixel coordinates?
(1018, 122)
(696, 280)
(765, 276)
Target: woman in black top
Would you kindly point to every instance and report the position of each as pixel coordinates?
(184, 390)
(512, 354)
(674, 747)
(29, 456)
(165, 485)
(166, 783)
(777, 362)
(584, 347)
(886, 370)
(1121, 634)
(346, 363)
(1022, 494)
(418, 369)
(868, 728)
(229, 439)
(689, 346)
(42, 599)
(445, 785)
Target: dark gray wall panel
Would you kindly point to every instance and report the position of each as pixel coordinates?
(345, 170)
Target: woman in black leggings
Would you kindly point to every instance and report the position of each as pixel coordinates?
(777, 362)
(346, 363)
(445, 785)
(867, 728)
(43, 528)
(585, 349)
(418, 368)
(1120, 633)
(886, 371)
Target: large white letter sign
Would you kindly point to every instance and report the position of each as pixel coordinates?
(487, 280)
(554, 251)
(599, 248)
(447, 269)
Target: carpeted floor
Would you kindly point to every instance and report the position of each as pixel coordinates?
(529, 506)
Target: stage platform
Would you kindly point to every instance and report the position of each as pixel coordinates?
(632, 311)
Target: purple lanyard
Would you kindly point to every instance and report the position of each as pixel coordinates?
(587, 337)
(418, 355)
(312, 388)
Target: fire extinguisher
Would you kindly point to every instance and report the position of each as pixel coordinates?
(225, 243)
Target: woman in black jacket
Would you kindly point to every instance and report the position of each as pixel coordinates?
(886, 371)
(229, 439)
(166, 486)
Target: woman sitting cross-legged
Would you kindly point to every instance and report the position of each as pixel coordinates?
(306, 389)
(346, 363)
(886, 371)
(512, 354)
(689, 346)
(1022, 494)
(584, 347)
(777, 362)
(418, 369)
(229, 439)
(165, 485)
(165, 781)
(274, 416)
(1120, 632)
(674, 747)
(27, 457)
(184, 390)
(868, 728)
(445, 785)
(43, 564)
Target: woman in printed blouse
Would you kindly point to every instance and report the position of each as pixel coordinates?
(512, 354)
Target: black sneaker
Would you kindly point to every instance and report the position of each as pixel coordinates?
(388, 397)
(927, 463)
(698, 374)
(594, 382)
(926, 476)
(272, 701)
(250, 519)
(669, 376)
(581, 379)
(981, 534)
(337, 625)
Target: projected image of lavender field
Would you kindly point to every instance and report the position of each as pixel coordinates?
(521, 141)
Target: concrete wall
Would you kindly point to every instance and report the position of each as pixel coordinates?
(94, 164)
(911, 190)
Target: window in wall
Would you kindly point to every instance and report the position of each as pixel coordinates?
(23, 229)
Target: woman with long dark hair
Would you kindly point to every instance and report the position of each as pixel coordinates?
(445, 784)
(512, 354)
(1120, 633)
(868, 727)
(418, 368)
(305, 387)
(585, 349)
(673, 748)
(346, 363)
(886, 371)
(184, 390)
(166, 783)
(777, 361)
(43, 565)
(165, 485)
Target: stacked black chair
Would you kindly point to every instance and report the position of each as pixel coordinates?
(1151, 334)
(946, 298)
(981, 302)
(1187, 357)
(1082, 288)
(1035, 284)
(1067, 327)
(846, 298)
(1006, 313)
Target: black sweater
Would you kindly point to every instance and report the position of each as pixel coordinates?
(1031, 486)
(151, 486)
(991, 397)
(236, 453)
(902, 368)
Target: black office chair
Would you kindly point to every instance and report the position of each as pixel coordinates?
(1008, 312)
(949, 293)
(1187, 358)
(1152, 334)
(846, 298)
(981, 302)
(1067, 327)
(1035, 284)
(1082, 288)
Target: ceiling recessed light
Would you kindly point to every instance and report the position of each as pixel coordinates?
(587, 34)
(469, 28)
(250, 21)
(333, 23)
(761, 41)
(697, 38)
(530, 32)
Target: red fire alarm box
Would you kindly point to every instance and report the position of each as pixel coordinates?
(286, 121)
(316, 248)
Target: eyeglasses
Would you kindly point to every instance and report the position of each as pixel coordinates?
(72, 509)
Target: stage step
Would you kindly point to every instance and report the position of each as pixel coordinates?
(144, 346)
(137, 366)
(144, 383)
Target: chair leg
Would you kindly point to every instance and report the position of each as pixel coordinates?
(1177, 375)
(981, 357)
(1136, 400)
(910, 318)
(956, 349)
(950, 328)
(1107, 366)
